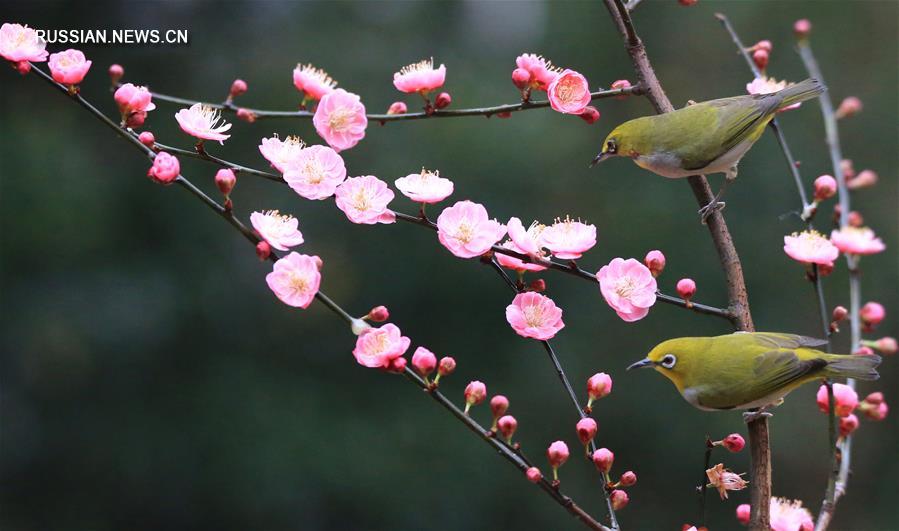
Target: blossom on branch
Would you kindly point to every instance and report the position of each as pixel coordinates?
(280, 153)
(203, 122)
(540, 71)
(529, 240)
(68, 67)
(313, 82)
(21, 44)
(514, 263)
(768, 85)
(724, 480)
(466, 230)
(425, 187)
(340, 119)
(315, 172)
(364, 200)
(845, 399)
(857, 241)
(134, 102)
(378, 347)
(628, 287)
(295, 279)
(165, 168)
(279, 230)
(569, 239)
(569, 92)
(810, 247)
(534, 315)
(790, 515)
(420, 77)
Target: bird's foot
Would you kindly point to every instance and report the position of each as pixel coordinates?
(710, 209)
(752, 416)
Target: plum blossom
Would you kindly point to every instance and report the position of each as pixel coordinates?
(425, 187)
(845, 399)
(378, 347)
(295, 279)
(810, 247)
(133, 99)
(534, 315)
(420, 77)
(541, 71)
(557, 454)
(768, 85)
(857, 241)
(165, 168)
(628, 287)
(724, 480)
(790, 515)
(315, 172)
(280, 153)
(569, 239)
(598, 386)
(528, 240)
(569, 92)
(313, 82)
(466, 230)
(514, 263)
(364, 200)
(340, 119)
(203, 122)
(279, 230)
(21, 44)
(69, 67)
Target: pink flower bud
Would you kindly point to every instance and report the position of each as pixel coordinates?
(760, 58)
(238, 87)
(443, 100)
(875, 411)
(802, 28)
(475, 393)
(855, 219)
(621, 84)
(763, 45)
(246, 115)
(874, 398)
(378, 314)
(23, 67)
(655, 261)
(840, 313)
(734, 442)
(534, 475)
(557, 453)
(872, 313)
(397, 107)
(865, 179)
(848, 168)
(538, 285)
(590, 114)
(845, 399)
(446, 366)
(686, 288)
(225, 180)
(499, 404)
(627, 479)
(743, 512)
(424, 361)
(825, 187)
(598, 386)
(136, 119)
(521, 78)
(603, 459)
(116, 71)
(863, 351)
(849, 107)
(146, 138)
(165, 169)
(507, 426)
(263, 250)
(397, 365)
(886, 345)
(848, 424)
(586, 430)
(618, 497)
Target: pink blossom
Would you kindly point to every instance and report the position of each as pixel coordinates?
(874, 406)
(789, 515)
(131, 99)
(619, 499)
(378, 314)
(628, 287)
(364, 200)
(20, 43)
(69, 67)
(768, 85)
(378, 347)
(557, 453)
(541, 71)
(534, 315)
(845, 399)
(340, 119)
(295, 279)
(203, 122)
(280, 231)
(569, 239)
(420, 77)
(743, 513)
(802, 28)
(528, 240)
(864, 179)
(313, 82)
(280, 153)
(424, 361)
(857, 240)
(849, 107)
(569, 92)
(586, 430)
(467, 231)
(872, 313)
(315, 172)
(810, 247)
(165, 169)
(603, 459)
(425, 187)
(512, 262)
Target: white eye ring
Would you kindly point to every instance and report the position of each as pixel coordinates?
(668, 361)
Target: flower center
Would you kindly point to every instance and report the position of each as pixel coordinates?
(533, 315)
(361, 201)
(318, 75)
(465, 232)
(340, 119)
(299, 283)
(569, 90)
(314, 171)
(421, 66)
(625, 287)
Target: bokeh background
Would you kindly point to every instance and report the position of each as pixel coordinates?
(150, 380)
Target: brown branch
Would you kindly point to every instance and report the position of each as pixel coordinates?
(760, 449)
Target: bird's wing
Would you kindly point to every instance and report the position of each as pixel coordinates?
(790, 341)
(778, 369)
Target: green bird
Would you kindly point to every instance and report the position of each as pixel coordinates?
(702, 138)
(748, 370)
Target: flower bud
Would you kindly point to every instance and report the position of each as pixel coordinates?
(864, 179)
(378, 314)
(443, 100)
(845, 399)
(586, 430)
(849, 107)
(763, 45)
(423, 361)
(397, 365)
(686, 288)
(874, 411)
(621, 84)
(533, 474)
(848, 424)
(743, 512)
(499, 404)
(840, 313)
(115, 73)
(136, 119)
(848, 168)
(225, 181)
(760, 58)
(23, 67)
(863, 351)
(603, 459)
(146, 138)
(734, 442)
(538, 285)
(627, 479)
(505, 114)
(874, 398)
(825, 187)
(618, 497)
(886, 345)
(246, 115)
(872, 313)
(802, 28)
(557, 453)
(855, 219)
(507, 426)
(655, 261)
(263, 250)
(521, 78)
(598, 386)
(446, 366)
(397, 107)
(475, 393)
(238, 87)
(165, 168)
(590, 114)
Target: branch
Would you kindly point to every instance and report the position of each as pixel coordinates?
(504, 450)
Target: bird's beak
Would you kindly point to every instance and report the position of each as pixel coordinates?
(646, 362)
(599, 158)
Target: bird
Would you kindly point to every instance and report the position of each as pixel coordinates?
(703, 138)
(749, 370)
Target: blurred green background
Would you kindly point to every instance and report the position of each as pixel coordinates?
(150, 380)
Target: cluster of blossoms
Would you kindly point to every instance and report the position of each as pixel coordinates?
(720, 478)
(845, 402)
(568, 91)
(785, 515)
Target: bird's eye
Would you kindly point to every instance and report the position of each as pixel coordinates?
(611, 147)
(668, 361)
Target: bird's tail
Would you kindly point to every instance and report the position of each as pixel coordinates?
(861, 367)
(804, 90)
